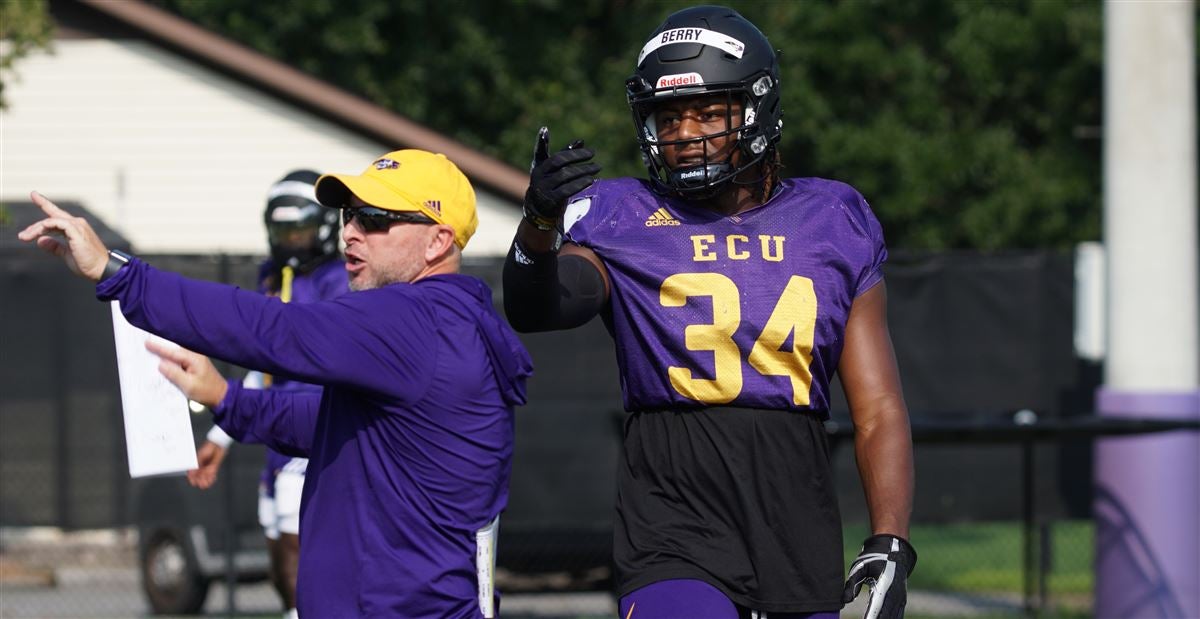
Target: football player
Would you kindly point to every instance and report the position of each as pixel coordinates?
(305, 266)
(732, 296)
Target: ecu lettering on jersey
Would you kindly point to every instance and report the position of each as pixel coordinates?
(703, 36)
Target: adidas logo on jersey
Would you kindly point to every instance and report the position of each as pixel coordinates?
(661, 218)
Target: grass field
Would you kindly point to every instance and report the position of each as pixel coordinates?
(987, 557)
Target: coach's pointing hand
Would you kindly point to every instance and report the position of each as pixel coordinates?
(192, 372)
(68, 237)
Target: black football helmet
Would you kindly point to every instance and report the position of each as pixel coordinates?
(700, 51)
(302, 233)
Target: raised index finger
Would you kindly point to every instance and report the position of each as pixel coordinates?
(541, 147)
(47, 206)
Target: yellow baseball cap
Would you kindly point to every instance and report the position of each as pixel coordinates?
(409, 180)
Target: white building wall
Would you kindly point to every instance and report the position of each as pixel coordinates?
(174, 156)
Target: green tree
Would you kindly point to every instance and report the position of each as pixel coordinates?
(960, 121)
(24, 26)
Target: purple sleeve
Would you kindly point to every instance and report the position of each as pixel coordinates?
(873, 273)
(868, 225)
(338, 342)
(280, 419)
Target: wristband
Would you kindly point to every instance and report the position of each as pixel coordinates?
(884, 542)
(539, 222)
(116, 260)
(526, 257)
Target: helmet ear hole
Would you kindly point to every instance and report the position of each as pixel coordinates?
(761, 86)
(637, 85)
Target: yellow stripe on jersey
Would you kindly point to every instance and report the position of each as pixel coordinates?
(285, 294)
(285, 287)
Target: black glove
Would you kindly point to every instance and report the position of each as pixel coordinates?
(885, 563)
(554, 178)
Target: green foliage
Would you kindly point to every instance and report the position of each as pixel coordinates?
(960, 121)
(956, 119)
(24, 26)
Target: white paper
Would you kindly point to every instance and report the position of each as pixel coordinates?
(485, 566)
(158, 432)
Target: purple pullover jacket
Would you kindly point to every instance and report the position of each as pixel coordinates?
(411, 449)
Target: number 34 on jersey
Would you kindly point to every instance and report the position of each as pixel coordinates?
(794, 315)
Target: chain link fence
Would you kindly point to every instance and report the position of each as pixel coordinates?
(1002, 526)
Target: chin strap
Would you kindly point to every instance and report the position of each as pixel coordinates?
(691, 182)
(697, 177)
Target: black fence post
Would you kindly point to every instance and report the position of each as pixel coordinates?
(1029, 571)
(1046, 563)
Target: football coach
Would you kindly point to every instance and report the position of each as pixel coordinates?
(411, 452)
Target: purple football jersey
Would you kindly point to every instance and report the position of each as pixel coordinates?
(745, 310)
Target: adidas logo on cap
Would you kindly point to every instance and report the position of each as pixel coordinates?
(661, 218)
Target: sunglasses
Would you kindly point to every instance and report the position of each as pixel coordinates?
(377, 220)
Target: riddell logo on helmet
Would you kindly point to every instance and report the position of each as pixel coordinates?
(679, 79)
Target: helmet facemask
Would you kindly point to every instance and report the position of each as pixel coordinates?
(711, 177)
